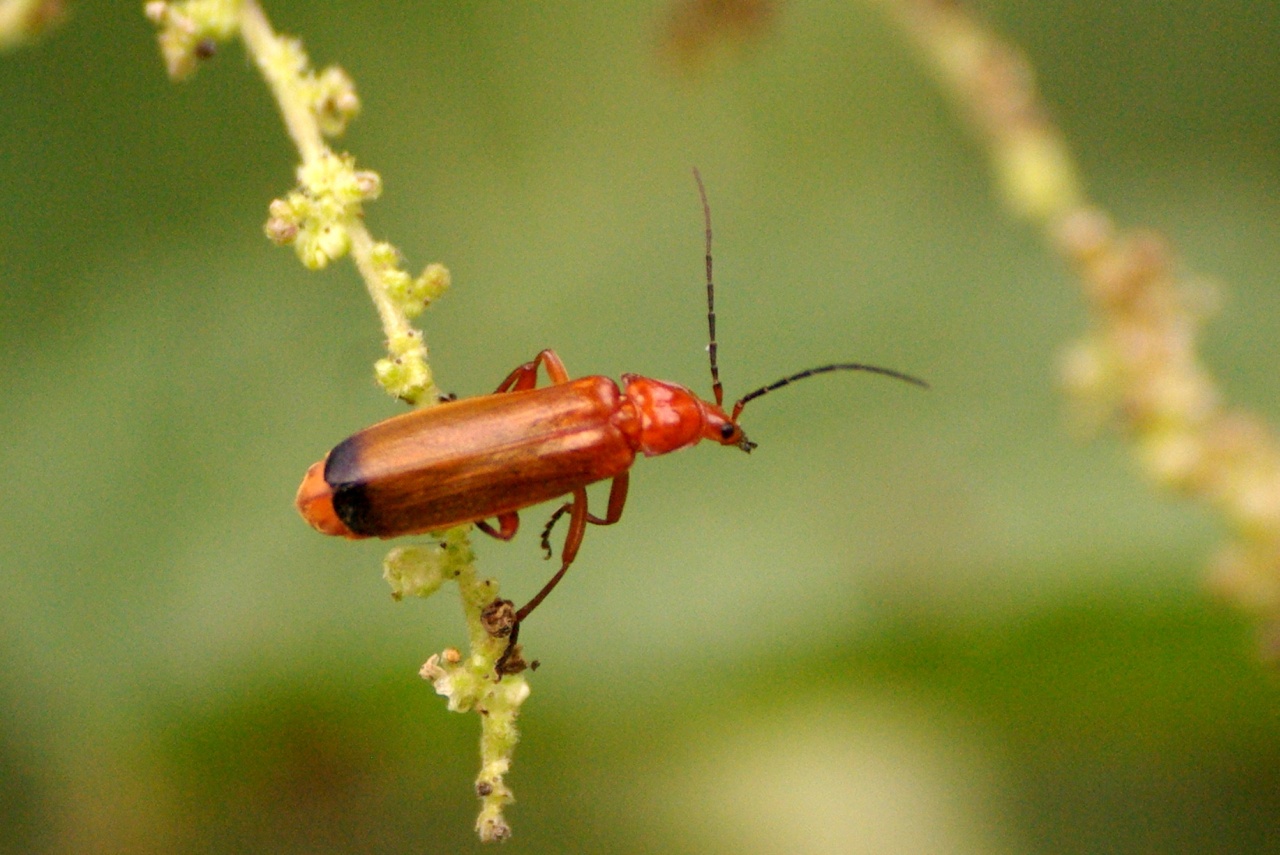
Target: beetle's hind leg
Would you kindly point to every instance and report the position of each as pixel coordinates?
(579, 516)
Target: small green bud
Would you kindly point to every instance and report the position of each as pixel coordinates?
(405, 377)
(406, 344)
(335, 103)
(190, 30)
(384, 254)
(369, 183)
(397, 284)
(331, 175)
(22, 21)
(1036, 175)
(433, 282)
(415, 571)
(282, 224)
(334, 240)
(317, 245)
(415, 296)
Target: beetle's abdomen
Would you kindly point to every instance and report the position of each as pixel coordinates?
(472, 459)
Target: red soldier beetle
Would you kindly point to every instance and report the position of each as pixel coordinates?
(489, 457)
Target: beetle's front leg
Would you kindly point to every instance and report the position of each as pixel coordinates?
(617, 499)
(526, 376)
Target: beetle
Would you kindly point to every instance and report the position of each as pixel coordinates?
(489, 457)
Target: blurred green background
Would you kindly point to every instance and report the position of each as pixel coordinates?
(909, 623)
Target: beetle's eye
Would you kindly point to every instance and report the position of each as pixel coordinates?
(727, 429)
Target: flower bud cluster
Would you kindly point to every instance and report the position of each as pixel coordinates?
(317, 217)
(1138, 369)
(190, 29)
(1139, 366)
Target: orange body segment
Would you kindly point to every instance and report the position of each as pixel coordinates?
(471, 460)
(315, 503)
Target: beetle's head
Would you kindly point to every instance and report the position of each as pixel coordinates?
(719, 427)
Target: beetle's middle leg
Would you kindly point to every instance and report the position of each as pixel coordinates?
(617, 499)
(508, 524)
(526, 376)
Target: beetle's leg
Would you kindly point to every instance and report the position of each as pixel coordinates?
(526, 376)
(579, 516)
(617, 498)
(551, 523)
(507, 525)
(577, 527)
(499, 667)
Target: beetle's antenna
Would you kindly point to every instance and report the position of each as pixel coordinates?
(841, 366)
(711, 296)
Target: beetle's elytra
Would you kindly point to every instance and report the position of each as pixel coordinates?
(472, 459)
(489, 457)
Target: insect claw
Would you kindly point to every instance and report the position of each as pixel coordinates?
(511, 661)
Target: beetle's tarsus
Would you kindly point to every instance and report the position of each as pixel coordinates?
(511, 662)
(551, 523)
